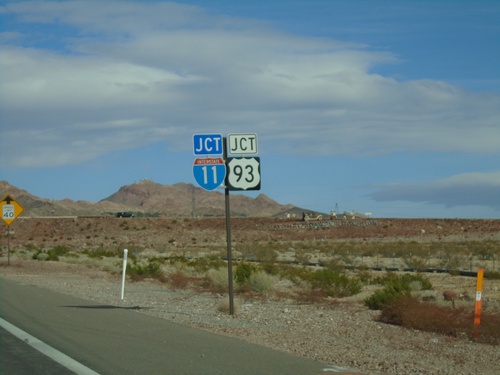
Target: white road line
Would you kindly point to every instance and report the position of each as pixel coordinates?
(49, 351)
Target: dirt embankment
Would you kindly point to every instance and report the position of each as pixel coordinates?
(106, 231)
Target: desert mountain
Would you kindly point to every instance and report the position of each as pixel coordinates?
(149, 198)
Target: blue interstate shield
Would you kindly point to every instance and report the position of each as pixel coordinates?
(209, 173)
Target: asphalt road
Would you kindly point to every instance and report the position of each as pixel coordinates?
(114, 340)
(17, 357)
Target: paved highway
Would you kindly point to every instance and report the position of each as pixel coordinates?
(113, 340)
(17, 357)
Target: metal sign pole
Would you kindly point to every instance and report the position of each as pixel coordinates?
(8, 245)
(228, 238)
(10, 211)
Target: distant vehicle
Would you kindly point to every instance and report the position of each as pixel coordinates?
(124, 214)
(311, 216)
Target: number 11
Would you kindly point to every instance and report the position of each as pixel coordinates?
(205, 174)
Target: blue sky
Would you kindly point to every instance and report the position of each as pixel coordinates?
(388, 107)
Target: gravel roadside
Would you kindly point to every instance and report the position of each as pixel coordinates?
(343, 334)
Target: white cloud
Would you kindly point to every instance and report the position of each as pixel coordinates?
(134, 73)
(42, 80)
(467, 189)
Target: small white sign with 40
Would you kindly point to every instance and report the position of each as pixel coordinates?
(8, 211)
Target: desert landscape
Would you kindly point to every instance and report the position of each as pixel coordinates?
(304, 287)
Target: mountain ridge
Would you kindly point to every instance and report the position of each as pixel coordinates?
(149, 198)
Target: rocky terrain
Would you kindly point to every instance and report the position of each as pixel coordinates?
(165, 235)
(340, 332)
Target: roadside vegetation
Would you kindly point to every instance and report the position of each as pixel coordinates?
(410, 312)
(320, 272)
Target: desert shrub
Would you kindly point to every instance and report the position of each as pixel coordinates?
(411, 278)
(415, 285)
(395, 287)
(314, 296)
(218, 278)
(39, 255)
(297, 275)
(56, 252)
(483, 249)
(334, 265)
(391, 278)
(489, 329)
(224, 307)
(302, 256)
(335, 284)
(260, 281)
(266, 255)
(30, 247)
(243, 272)
(204, 264)
(258, 253)
(151, 269)
(133, 250)
(180, 280)
(410, 312)
(453, 261)
(270, 268)
(183, 264)
(60, 250)
(364, 276)
(159, 260)
(388, 295)
(100, 253)
(178, 259)
(415, 262)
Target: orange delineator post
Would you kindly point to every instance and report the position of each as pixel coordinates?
(477, 306)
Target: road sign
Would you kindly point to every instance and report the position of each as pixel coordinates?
(243, 173)
(209, 172)
(207, 144)
(242, 144)
(10, 209)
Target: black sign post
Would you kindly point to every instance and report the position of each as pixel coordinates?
(10, 211)
(228, 240)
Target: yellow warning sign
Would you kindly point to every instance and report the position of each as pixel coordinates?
(10, 209)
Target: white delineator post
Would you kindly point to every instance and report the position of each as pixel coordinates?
(125, 252)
